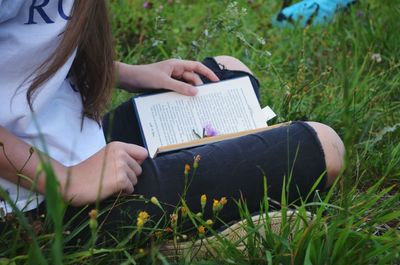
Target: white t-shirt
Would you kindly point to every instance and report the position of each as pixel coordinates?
(29, 32)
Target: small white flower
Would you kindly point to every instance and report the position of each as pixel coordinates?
(376, 57)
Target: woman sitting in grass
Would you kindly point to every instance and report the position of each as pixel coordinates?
(57, 75)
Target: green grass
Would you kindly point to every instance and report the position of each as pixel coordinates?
(326, 74)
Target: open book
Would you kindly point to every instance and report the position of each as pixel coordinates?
(170, 121)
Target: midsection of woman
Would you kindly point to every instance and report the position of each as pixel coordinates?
(30, 31)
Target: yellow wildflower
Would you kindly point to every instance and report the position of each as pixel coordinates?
(184, 211)
(187, 169)
(209, 222)
(139, 223)
(203, 201)
(155, 201)
(143, 215)
(201, 229)
(174, 219)
(158, 234)
(93, 219)
(93, 214)
(216, 205)
(223, 201)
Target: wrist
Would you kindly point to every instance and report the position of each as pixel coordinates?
(128, 76)
(36, 169)
(70, 184)
(61, 173)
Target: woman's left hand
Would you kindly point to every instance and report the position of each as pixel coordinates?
(177, 75)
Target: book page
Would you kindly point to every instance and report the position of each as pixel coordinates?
(171, 118)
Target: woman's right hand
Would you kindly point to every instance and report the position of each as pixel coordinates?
(111, 170)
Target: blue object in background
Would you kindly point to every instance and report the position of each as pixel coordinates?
(310, 12)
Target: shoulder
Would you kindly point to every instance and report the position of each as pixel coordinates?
(35, 12)
(9, 9)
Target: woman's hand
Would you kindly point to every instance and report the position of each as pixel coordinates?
(176, 75)
(111, 170)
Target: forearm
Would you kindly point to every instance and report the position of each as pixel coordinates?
(19, 158)
(112, 169)
(130, 77)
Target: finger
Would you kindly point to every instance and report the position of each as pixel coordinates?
(128, 186)
(136, 152)
(132, 177)
(134, 166)
(181, 87)
(201, 69)
(192, 78)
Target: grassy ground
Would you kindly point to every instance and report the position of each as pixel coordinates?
(345, 74)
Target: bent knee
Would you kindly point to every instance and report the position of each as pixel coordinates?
(232, 63)
(333, 149)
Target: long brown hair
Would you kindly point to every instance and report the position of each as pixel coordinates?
(89, 32)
